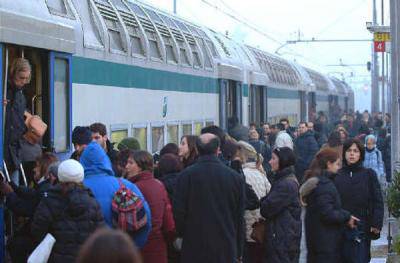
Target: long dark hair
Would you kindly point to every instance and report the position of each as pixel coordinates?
(347, 144)
(320, 162)
(193, 152)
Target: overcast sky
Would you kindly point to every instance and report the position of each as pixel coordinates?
(282, 20)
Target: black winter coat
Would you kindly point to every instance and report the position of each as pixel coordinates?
(281, 209)
(208, 210)
(23, 201)
(325, 220)
(69, 217)
(361, 194)
(14, 125)
(170, 181)
(251, 201)
(305, 147)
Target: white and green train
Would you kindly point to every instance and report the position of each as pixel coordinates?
(149, 74)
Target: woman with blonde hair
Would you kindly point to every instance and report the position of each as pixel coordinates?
(15, 102)
(255, 176)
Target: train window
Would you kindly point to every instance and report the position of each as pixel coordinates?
(117, 135)
(187, 129)
(61, 111)
(184, 57)
(132, 26)
(197, 128)
(207, 58)
(157, 138)
(154, 51)
(196, 59)
(115, 40)
(57, 7)
(172, 132)
(140, 133)
(170, 50)
(212, 48)
(113, 25)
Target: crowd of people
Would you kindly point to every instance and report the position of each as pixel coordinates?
(234, 196)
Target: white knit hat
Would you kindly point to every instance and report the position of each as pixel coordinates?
(70, 171)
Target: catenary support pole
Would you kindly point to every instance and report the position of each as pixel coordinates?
(395, 70)
(375, 68)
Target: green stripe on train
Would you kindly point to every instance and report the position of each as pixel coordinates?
(97, 72)
(104, 73)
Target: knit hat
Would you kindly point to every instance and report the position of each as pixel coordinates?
(129, 143)
(70, 171)
(81, 135)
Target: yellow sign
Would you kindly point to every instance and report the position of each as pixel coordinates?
(382, 36)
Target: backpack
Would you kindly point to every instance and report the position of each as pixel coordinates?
(128, 213)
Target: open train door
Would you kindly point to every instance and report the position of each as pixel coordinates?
(60, 103)
(2, 204)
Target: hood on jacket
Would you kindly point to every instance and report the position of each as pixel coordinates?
(95, 160)
(307, 188)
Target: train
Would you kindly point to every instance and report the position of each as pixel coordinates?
(146, 73)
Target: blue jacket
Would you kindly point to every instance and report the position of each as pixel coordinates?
(99, 177)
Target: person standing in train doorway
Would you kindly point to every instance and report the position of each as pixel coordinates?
(15, 107)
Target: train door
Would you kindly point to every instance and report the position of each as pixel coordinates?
(48, 94)
(312, 106)
(257, 104)
(230, 101)
(303, 105)
(2, 223)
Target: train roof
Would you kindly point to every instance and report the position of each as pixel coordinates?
(126, 28)
(31, 24)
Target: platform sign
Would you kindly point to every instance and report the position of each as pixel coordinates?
(379, 46)
(381, 37)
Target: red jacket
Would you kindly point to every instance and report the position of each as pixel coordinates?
(162, 221)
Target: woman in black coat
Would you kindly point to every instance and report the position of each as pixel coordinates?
(281, 209)
(361, 195)
(69, 212)
(325, 219)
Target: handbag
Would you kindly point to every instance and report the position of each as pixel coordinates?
(258, 232)
(42, 252)
(35, 128)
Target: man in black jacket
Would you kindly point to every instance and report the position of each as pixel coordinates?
(305, 148)
(209, 208)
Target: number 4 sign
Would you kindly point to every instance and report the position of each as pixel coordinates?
(379, 46)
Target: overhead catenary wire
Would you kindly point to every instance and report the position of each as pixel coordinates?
(339, 18)
(254, 28)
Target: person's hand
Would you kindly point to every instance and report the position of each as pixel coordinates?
(5, 102)
(375, 230)
(352, 223)
(5, 188)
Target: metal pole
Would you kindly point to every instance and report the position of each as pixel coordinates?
(388, 84)
(175, 7)
(395, 80)
(375, 69)
(383, 58)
